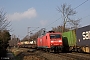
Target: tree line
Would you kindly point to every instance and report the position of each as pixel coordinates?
(4, 34)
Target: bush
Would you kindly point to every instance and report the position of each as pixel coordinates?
(4, 38)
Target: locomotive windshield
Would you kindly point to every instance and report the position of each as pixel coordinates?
(55, 36)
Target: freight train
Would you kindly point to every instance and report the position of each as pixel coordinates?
(27, 44)
(74, 40)
(50, 41)
(77, 40)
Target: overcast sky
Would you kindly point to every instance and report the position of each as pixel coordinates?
(41, 13)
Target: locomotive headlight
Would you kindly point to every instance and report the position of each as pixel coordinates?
(60, 40)
(52, 41)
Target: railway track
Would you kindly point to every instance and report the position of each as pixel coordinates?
(33, 54)
(74, 56)
(69, 56)
(80, 55)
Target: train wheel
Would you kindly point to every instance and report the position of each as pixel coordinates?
(48, 50)
(56, 49)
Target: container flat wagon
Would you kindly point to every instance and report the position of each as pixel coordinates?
(77, 40)
(83, 38)
(69, 40)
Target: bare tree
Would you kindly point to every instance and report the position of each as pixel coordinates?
(4, 23)
(74, 23)
(67, 12)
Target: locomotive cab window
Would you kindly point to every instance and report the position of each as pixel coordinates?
(55, 36)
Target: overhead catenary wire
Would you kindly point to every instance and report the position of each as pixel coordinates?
(81, 4)
(73, 9)
(86, 16)
(53, 22)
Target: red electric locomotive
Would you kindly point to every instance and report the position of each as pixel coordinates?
(50, 41)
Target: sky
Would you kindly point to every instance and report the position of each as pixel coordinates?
(41, 13)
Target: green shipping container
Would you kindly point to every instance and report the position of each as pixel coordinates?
(69, 38)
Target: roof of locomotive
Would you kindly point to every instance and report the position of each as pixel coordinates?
(49, 32)
(53, 32)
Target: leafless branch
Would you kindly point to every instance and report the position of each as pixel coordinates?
(4, 23)
(66, 12)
